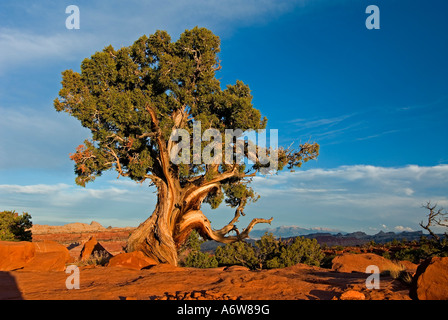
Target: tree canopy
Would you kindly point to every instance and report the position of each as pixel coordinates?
(132, 99)
(15, 227)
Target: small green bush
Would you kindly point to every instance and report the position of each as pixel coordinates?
(301, 250)
(269, 253)
(237, 253)
(198, 259)
(195, 258)
(327, 261)
(14, 227)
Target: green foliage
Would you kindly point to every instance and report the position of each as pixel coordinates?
(193, 242)
(116, 87)
(387, 255)
(426, 249)
(13, 227)
(327, 261)
(237, 253)
(269, 252)
(303, 250)
(417, 250)
(132, 98)
(198, 259)
(195, 258)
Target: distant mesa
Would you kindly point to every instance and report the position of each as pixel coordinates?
(96, 225)
(333, 237)
(291, 231)
(76, 227)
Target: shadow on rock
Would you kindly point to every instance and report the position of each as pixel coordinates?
(9, 289)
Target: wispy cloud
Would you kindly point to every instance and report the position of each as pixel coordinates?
(329, 130)
(45, 39)
(429, 104)
(55, 203)
(40, 189)
(348, 196)
(377, 135)
(27, 48)
(37, 139)
(303, 124)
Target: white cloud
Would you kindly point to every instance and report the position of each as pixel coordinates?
(40, 189)
(401, 228)
(25, 48)
(348, 198)
(120, 23)
(408, 191)
(62, 203)
(352, 196)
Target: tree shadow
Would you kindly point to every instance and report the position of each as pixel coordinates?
(9, 289)
(322, 295)
(73, 245)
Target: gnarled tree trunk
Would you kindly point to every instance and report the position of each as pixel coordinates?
(154, 236)
(176, 214)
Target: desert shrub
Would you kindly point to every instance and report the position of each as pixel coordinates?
(409, 254)
(237, 253)
(301, 250)
(98, 258)
(268, 250)
(269, 253)
(398, 272)
(14, 227)
(198, 259)
(386, 254)
(327, 261)
(193, 242)
(338, 248)
(191, 255)
(308, 251)
(427, 248)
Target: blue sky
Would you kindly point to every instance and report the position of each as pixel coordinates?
(375, 100)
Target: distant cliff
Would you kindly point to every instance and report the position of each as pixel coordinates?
(360, 238)
(336, 237)
(291, 231)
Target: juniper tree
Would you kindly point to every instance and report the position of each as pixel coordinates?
(132, 99)
(15, 227)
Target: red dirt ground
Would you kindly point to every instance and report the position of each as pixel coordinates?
(164, 282)
(299, 282)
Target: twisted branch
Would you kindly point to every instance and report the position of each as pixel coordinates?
(195, 219)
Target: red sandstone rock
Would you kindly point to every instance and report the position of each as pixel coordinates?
(236, 268)
(431, 280)
(90, 247)
(132, 260)
(352, 295)
(349, 262)
(15, 255)
(49, 246)
(104, 283)
(165, 267)
(49, 256)
(409, 266)
(48, 261)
